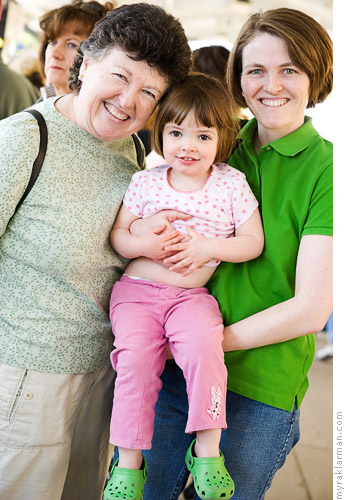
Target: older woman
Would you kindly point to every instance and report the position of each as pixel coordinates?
(274, 304)
(57, 267)
(64, 29)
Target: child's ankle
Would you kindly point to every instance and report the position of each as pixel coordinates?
(205, 451)
(130, 459)
(207, 443)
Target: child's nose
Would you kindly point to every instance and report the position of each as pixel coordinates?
(189, 145)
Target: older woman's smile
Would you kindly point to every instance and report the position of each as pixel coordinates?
(109, 107)
(117, 96)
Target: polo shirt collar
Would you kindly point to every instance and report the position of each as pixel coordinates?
(289, 145)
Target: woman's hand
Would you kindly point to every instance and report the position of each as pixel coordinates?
(162, 219)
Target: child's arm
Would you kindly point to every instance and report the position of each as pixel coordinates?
(247, 244)
(149, 244)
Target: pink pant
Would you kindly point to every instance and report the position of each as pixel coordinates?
(145, 315)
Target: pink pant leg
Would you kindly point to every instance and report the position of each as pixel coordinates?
(195, 333)
(139, 360)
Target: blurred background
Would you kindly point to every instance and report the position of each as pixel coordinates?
(206, 22)
(308, 472)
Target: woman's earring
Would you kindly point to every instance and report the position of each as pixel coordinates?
(80, 77)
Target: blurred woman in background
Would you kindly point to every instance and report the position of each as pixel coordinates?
(63, 31)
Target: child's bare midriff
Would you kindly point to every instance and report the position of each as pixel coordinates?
(148, 269)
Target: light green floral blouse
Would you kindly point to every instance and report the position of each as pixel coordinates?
(57, 268)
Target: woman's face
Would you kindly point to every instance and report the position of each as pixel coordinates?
(276, 91)
(117, 95)
(59, 57)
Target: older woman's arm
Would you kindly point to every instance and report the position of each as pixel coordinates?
(19, 145)
(305, 313)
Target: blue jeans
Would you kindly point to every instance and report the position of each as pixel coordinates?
(255, 444)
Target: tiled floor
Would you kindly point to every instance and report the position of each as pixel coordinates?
(307, 473)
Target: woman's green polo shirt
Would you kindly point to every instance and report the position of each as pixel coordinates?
(292, 180)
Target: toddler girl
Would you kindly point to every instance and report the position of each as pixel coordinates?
(165, 300)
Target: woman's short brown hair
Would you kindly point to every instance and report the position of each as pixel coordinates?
(145, 32)
(308, 44)
(210, 101)
(82, 16)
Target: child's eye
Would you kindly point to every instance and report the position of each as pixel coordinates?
(175, 133)
(204, 137)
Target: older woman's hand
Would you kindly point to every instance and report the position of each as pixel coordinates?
(162, 218)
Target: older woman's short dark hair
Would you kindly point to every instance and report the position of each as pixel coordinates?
(210, 101)
(146, 33)
(308, 44)
(81, 16)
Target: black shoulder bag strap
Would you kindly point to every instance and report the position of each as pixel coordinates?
(140, 152)
(43, 148)
(41, 153)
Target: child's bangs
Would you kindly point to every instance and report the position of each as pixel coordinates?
(199, 105)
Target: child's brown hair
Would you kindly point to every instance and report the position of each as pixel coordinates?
(210, 101)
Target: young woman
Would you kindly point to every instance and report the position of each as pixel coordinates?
(272, 305)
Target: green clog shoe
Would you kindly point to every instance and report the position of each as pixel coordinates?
(126, 483)
(211, 479)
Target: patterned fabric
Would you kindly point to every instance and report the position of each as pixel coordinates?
(223, 203)
(57, 267)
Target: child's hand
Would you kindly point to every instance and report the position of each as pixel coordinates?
(190, 254)
(155, 240)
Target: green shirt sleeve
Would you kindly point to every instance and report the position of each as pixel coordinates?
(320, 215)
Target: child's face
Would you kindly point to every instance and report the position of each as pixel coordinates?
(190, 148)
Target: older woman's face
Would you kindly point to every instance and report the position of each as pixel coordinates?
(59, 57)
(117, 95)
(276, 91)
